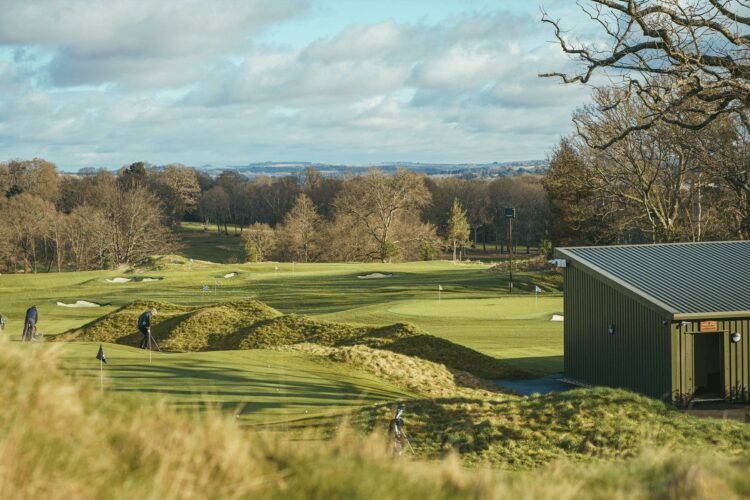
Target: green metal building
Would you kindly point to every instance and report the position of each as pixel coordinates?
(671, 320)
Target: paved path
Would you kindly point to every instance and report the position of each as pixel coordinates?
(545, 385)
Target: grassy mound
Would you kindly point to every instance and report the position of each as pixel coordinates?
(120, 326)
(253, 325)
(401, 338)
(214, 327)
(407, 339)
(580, 425)
(413, 374)
(293, 329)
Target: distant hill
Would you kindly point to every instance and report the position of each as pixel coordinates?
(463, 170)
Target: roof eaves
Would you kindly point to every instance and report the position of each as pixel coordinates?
(637, 293)
(710, 315)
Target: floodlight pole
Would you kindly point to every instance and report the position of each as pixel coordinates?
(510, 214)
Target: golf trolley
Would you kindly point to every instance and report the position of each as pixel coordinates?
(397, 434)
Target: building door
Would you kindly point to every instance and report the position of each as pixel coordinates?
(708, 354)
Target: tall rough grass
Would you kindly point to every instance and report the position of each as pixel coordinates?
(61, 439)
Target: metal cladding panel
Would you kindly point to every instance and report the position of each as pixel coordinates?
(687, 277)
(637, 356)
(735, 358)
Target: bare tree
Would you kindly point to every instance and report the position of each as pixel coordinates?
(214, 207)
(652, 180)
(134, 225)
(687, 61)
(260, 240)
(25, 217)
(86, 237)
(375, 202)
(300, 229)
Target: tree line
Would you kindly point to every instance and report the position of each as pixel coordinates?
(99, 219)
(50, 221)
(662, 154)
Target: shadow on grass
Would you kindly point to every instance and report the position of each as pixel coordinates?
(537, 365)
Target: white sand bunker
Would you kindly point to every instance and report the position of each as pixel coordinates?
(230, 275)
(118, 280)
(557, 317)
(79, 303)
(152, 279)
(374, 276)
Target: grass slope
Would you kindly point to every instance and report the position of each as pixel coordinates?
(61, 440)
(259, 386)
(581, 424)
(253, 325)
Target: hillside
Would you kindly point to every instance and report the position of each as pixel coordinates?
(253, 325)
(582, 424)
(61, 439)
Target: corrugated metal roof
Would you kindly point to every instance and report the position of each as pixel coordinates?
(689, 278)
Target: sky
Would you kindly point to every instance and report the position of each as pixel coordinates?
(94, 83)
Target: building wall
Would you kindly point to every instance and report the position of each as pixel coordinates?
(736, 357)
(638, 356)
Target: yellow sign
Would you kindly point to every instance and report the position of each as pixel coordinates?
(709, 326)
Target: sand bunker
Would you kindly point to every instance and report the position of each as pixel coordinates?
(79, 303)
(129, 280)
(557, 317)
(230, 275)
(374, 276)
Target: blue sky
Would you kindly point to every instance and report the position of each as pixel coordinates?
(85, 83)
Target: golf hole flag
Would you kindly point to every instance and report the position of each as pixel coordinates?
(440, 288)
(537, 289)
(100, 355)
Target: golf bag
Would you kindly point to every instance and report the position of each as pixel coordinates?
(396, 435)
(29, 331)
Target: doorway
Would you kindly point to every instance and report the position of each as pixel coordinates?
(708, 354)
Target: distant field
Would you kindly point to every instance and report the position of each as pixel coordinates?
(208, 244)
(475, 308)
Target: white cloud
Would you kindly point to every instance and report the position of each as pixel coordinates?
(110, 83)
(133, 41)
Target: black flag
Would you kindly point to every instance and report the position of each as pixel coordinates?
(100, 355)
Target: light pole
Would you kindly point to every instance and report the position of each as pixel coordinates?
(510, 214)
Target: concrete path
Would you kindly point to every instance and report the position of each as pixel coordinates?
(545, 385)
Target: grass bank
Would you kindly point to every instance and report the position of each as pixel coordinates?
(61, 439)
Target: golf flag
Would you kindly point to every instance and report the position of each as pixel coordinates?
(100, 355)
(440, 288)
(537, 289)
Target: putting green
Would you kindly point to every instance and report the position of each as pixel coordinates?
(514, 328)
(259, 386)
